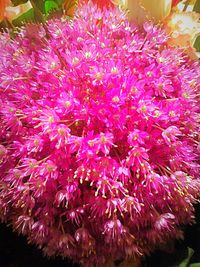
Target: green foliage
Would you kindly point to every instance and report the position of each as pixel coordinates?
(195, 265)
(18, 2)
(197, 41)
(50, 6)
(39, 11)
(186, 261)
(59, 2)
(25, 17)
(197, 6)
(197, 44)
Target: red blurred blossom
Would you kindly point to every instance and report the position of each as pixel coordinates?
(175, 2)
(100, 3)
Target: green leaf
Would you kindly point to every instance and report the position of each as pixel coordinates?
(197, 6)
(38, 3)
(25, 17)
(18, 2)
(50, 6)
(38, 8)
(186, 261)
(194, 265)
(197, 44)
(60, 2)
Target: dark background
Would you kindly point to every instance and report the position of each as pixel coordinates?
(15, 252)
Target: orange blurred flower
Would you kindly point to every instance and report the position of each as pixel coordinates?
(69, 7)
(3, 5)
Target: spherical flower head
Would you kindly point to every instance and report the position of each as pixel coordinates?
(99, 137)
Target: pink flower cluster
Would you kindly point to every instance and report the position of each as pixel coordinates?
(99, 137)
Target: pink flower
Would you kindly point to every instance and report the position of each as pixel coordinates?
(3, 152)
(137, 137)
(165, 221)
(99, 137)
(85, 241)
(170, 134)
(23, 224)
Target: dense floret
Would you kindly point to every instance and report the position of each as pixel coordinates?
(99, 136)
